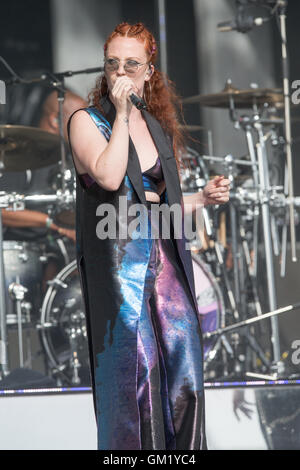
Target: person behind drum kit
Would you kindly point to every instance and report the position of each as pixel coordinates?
(35, 224)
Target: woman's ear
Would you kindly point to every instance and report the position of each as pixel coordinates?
(149, 72)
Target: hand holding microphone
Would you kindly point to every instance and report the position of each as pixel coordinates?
(125, 95)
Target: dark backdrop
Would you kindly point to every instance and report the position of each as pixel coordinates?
(181, 43)
(26, 44)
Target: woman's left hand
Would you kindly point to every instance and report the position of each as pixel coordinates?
(216, 191)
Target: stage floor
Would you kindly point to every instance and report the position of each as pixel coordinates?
(245, 415)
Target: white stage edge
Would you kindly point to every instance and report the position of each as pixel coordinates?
(66, 421)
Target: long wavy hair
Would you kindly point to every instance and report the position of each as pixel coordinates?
(159, 92)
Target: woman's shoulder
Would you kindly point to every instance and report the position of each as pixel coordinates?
(83, 113)
(88, 118)
(90, 113)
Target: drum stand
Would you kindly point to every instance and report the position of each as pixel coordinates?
(3, 332)
(241, 260)
(16, 290)
(74, 362)
(242, 324)
(261, 181)
(262, 187)
(277, 366)
(17, 293)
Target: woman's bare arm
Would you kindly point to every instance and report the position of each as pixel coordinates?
(106, 162)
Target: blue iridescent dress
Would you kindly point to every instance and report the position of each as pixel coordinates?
(145, 341)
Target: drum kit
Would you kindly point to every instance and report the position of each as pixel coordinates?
(225, 266)
(55, 312)
(241, 239)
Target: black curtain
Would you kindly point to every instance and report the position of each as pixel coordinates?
(181, 43)
(25, 38)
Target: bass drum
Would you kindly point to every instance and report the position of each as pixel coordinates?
(63, 327)
(210, 302)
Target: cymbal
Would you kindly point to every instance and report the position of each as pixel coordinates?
(23, 148)
(191, 127)
(241, 98)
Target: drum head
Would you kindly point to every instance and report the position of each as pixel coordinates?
(210, 301)
(63, 327)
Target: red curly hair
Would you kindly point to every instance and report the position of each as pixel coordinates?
(159, 93)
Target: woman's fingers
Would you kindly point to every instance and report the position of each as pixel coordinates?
(122, 87)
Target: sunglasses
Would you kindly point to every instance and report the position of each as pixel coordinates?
(130, 66)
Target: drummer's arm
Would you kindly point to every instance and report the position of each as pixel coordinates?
(26, 218)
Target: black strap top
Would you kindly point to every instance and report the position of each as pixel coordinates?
(153, 176)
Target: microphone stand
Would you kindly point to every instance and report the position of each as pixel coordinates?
(57, 82)
(28, 81)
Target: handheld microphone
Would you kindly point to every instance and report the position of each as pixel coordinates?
(138, 102)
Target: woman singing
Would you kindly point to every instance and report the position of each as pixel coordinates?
(142, 317)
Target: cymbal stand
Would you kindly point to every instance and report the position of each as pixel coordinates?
(264, 190)
(284, 233)
(245, 123)
(236, 253)
(251, 149)
(282, 5)
(266, 221)
(241, 252)
(57, 82)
